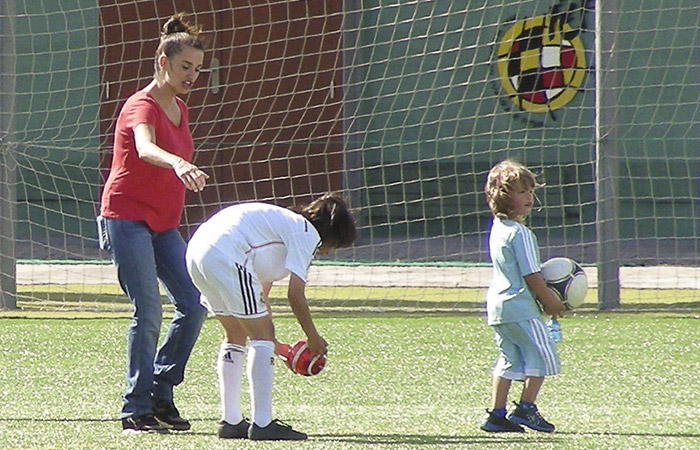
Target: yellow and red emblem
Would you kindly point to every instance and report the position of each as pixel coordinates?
(541, 66)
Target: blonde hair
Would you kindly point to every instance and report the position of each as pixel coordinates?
(504, 178)
(175, 35)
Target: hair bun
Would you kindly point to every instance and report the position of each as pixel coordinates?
(178, 24)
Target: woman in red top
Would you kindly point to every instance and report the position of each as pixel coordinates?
(142, 203)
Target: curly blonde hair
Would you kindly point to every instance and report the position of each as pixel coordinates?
(504, 178)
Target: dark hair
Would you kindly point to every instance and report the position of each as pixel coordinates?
(330, 216)
(176, 34)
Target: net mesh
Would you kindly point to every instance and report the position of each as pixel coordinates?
(401, 105)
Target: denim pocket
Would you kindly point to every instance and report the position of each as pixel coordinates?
(102, 235)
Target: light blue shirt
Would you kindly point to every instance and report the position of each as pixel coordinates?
(514, 254)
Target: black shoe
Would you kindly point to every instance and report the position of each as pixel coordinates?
(531, 418)
(497, 424)
(237, 431)
(275, 431)
(168, 415)
(142, 424)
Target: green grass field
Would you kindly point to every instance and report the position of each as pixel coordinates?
(393, 381)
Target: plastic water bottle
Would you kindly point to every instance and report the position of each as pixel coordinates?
(554, 329)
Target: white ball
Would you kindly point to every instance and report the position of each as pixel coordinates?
(567, 280)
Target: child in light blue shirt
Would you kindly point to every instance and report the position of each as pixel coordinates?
(514, 301)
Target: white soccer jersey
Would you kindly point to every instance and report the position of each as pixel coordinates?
(514, 254)
(274, 240)
(242, 246)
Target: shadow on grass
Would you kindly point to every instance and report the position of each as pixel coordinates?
(529, 438)
(402, 438)
(116, 421)
(631, 434)
(428, 439)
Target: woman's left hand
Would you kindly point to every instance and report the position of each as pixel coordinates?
(192, 176)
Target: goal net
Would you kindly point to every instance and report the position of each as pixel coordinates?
(403, 106)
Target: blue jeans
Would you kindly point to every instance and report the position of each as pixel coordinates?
(142, 257)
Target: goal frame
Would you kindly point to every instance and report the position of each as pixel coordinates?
(8, 193)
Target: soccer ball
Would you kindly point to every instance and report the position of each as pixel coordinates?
(299, 359)
(567, 280)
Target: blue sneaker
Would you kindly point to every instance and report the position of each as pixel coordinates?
(530, 417)
(497, 424)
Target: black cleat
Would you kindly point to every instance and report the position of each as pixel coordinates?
(237, 431)
(168, 415)
(275, 431)
(142, 424)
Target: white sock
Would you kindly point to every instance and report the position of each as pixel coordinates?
(261, 371)
(229, 368)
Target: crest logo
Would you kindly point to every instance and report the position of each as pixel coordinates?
(541, 63)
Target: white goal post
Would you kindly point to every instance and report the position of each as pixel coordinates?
(8, 281)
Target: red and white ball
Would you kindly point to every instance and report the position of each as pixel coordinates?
(299, 359)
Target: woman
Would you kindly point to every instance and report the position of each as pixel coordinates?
(142, 203)
(233, 258)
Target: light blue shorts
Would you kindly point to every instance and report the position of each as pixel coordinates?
(525, 350)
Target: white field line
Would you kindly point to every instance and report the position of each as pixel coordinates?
(657, 277)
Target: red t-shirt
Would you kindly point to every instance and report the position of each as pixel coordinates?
(135, 189)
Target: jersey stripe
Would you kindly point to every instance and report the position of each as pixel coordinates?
(530, 247)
